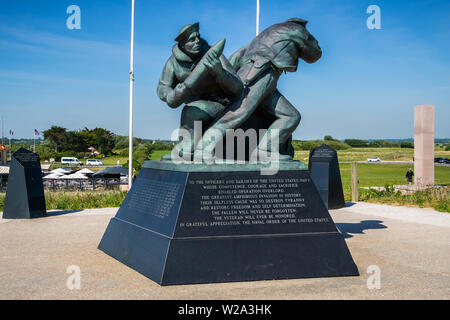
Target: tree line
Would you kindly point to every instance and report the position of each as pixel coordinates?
(79, 141)
(59, 142)
(359, 143)
(350, 143)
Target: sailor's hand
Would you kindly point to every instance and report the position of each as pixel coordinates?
(213, 64)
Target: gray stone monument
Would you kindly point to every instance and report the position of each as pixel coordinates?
(423, 146)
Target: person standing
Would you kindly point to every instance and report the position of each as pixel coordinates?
(409, 176)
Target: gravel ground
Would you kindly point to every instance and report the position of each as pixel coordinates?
(410, 247)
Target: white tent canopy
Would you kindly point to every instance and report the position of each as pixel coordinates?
(53, 176)
(59, 171)
(85, 171)
(76, 175)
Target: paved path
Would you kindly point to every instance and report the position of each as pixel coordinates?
(410, 246)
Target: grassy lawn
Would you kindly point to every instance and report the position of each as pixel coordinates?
(79, 200)
(369, 175)
(112, 160)
(382, 174)
(157, 154)
(386, 154)
(379, 175)
(354, 154)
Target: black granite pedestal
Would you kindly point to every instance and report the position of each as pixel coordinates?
(25, 197)
(324, 168)
(199, 224)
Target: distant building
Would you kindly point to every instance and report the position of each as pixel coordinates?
(94, 152)
(4, 173)
(3, 154)
(4, 169)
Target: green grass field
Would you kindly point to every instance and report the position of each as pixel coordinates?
(369, 175)
(112, 160)
(380, 175)
(157, 154)
(354, 154)
(385, 154)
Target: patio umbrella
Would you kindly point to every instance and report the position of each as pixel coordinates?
(59, 171)
(75, 176)
(53, 176)
(85, 171)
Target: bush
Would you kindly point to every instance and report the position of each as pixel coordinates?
(406, 144)
(337, 145)
(66, 154)
(305, 145)
(357, 143)
(79, 200)
(123, 152)
(45, 152)
(137, 165)
(436, 198)
(83, 200)
(383, 144)
(309, 145)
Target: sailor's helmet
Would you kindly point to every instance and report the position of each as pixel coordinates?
(186, 31)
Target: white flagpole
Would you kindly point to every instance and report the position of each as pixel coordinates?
(130, 145)
(257, 17)
(3, 118)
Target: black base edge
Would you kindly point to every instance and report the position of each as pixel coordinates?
(229, 259)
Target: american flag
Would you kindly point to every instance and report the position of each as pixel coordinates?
(36, 133)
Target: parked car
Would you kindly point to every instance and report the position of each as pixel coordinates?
(71, 161)
(93, 162)
(373, 159)
(442, 160)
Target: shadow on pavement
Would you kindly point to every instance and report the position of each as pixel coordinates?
(349, 204)
(347, 229)
(60, 213)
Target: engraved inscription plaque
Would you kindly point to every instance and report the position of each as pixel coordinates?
(154, 197)
(191, 225)
(154, 201)
(244, 204)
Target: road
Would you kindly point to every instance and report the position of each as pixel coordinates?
(409, 247)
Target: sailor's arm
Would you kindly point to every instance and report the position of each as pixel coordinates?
(228, 79)
(225, 76)
(169, 91)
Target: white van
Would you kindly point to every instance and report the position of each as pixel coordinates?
(71, 161)
(93, 162)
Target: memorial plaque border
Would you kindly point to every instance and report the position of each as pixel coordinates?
(176, 258)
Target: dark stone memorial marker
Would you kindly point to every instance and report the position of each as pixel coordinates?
(189, 224)
(25, 193)
(324, 168)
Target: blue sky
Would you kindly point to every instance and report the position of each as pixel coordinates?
(365, 86)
